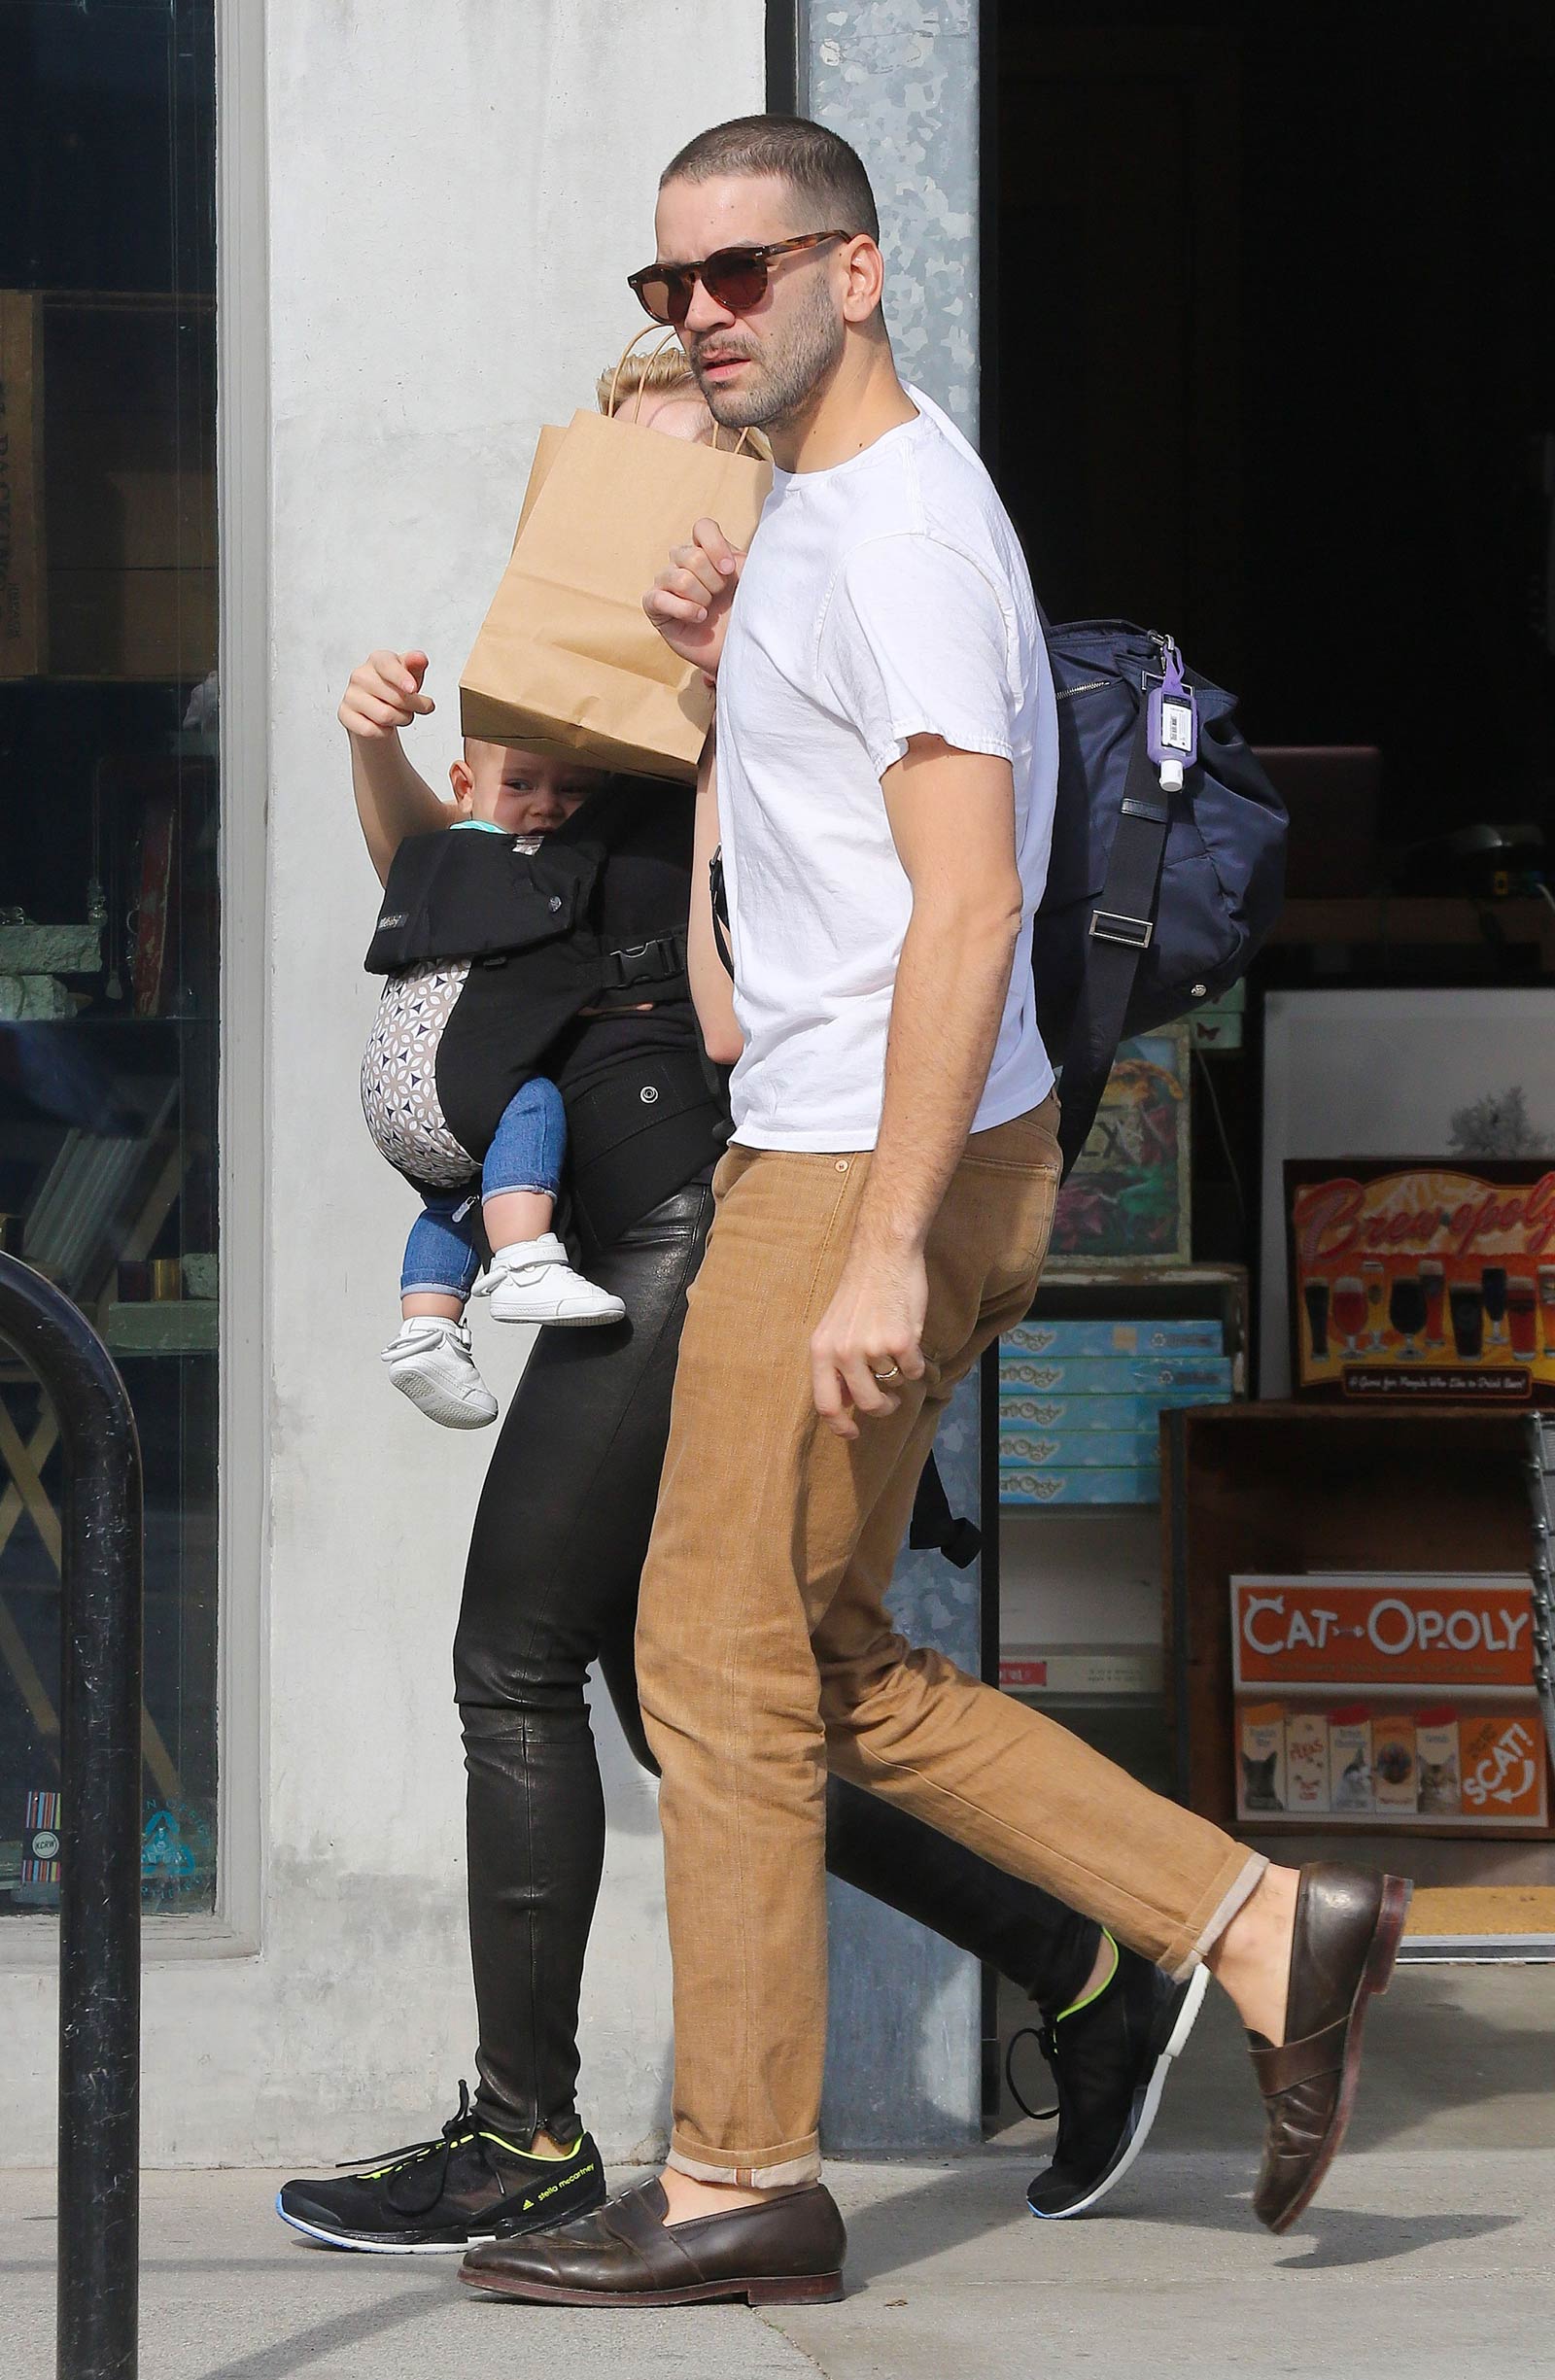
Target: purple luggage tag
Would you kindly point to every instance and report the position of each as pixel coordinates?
(1171, 726)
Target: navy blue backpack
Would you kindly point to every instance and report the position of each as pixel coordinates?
(1157, 902)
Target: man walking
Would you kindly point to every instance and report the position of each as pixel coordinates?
(888, 764)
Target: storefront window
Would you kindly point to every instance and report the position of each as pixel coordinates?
(109, 884)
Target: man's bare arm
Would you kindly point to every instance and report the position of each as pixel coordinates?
(393, 799)
(953, 820)
(711, 991)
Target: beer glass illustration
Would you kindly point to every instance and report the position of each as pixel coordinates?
(1348, 1308)
(1315, 1294)
(1374, 1277)
(1522, 1315)
(1493, 1283)
(1465, 1304)
(1407, 1311)
(1433, 1281)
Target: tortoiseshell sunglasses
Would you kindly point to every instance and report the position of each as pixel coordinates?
(736, 278)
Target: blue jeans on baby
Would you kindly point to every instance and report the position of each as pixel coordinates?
(526, 1154)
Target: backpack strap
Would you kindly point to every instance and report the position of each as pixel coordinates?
(1122, 924)
(720, 912)
(934, 1527)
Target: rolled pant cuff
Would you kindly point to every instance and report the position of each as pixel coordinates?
(779, 2168)
(1234, 1890)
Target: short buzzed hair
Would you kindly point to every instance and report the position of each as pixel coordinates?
(826, 176)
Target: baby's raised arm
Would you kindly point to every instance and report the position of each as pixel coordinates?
(393, 799)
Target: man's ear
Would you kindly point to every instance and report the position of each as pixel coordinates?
(464, 785)
(866, 279)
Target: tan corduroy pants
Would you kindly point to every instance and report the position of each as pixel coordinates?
(764, 1654)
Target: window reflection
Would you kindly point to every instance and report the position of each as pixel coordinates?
(109, 885)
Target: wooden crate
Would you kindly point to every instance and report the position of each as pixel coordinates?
(1287, 1487)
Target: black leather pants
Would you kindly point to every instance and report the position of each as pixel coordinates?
(559, 1542)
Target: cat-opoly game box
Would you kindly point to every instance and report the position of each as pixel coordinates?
(1388, 1700)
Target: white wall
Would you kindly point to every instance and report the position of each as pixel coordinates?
(456, 191)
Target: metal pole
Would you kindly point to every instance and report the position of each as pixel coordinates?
(100, 1829)
(1541, 1484)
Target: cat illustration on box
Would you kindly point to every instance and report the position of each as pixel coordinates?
(1258, 1782)
(1352, 1788)
(1441, 1794)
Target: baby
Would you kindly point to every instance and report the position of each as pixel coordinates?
(520, 797)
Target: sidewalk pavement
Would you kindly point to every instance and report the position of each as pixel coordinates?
(1428, 2252)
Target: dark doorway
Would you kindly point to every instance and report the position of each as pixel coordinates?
(1272, 364)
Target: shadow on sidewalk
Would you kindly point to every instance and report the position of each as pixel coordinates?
(954, 2209)
(1376, 2239)
(285, 2357)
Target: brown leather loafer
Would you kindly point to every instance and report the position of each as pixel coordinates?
(787, 2251)
(1348, 1924)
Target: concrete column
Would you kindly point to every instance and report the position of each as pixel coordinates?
(899, 79)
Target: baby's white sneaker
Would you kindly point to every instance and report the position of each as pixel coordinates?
(533, 1283)
(431, 1363)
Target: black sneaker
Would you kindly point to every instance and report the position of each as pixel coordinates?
(440, 2197)
(1110, 2059)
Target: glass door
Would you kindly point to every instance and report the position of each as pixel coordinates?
(109, 880)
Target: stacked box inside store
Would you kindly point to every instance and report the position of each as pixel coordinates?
(1080, 1404)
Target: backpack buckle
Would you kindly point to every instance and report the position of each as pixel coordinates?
(1112, 925)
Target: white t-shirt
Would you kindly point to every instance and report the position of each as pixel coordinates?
(883, 599)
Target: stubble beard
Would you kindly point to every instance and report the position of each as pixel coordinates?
(784, 382)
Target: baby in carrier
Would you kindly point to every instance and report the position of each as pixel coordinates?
(501, 792)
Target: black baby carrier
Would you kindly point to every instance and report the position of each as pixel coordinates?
(593, 918)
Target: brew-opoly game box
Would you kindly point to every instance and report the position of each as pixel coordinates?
(1388, 1699)
(1423, 1279)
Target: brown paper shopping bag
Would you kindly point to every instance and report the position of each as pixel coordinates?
(548, 446)
(566, 660)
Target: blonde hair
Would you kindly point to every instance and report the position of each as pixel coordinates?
(655, 374)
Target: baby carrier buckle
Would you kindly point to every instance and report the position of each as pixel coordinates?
(653, 961)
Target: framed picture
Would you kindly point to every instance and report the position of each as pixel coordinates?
(1457, 1077)
(1431, 1282)
(1127, 1199)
